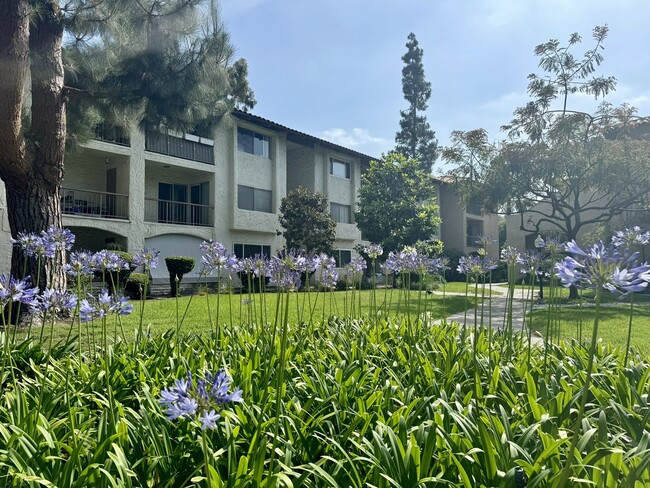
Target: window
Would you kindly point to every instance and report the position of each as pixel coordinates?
(474, 232)
(252, 143)
(172, 204)
(342, 257)
(249, 198)
(339, 168)
(249, 250)
(341, 213)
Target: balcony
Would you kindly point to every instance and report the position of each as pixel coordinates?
(188, 147)
(98, 204)
(180, 213)
(115, 135)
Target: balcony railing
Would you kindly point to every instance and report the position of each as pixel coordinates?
(181, 213)
(94, 203)
(116, 135)
(181, 148)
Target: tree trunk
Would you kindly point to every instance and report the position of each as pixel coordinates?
(32, 148)
(32, 207)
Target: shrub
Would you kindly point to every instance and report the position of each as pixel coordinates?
(137, 285)
(178, 266)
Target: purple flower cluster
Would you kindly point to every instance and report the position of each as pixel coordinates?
(207, 396)
(103, 305)
(147, 258)
(612, 268)
(53, 301)
(631, 237)
(373, 251)
(14, 290)
(531, 262)
(409, 261)
(473, 266)
(284, 271)
(216, 257)
(511, 256)
(45, 244)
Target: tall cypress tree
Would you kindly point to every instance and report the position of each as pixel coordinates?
(416, 139)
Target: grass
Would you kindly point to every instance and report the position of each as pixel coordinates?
(577, 323)
(194, 311)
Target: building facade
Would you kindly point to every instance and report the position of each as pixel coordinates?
(171, 191)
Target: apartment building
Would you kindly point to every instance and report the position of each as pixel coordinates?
(171, 191)
(464, 225)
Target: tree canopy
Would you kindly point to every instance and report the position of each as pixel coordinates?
(416, 139)
(64, 67)
(397, 203)
(307, 223)
(560, 168)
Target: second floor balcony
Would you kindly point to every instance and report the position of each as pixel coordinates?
(97, 204)
(179, 213)
(188, 147)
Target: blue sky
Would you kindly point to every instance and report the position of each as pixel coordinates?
(333, 68)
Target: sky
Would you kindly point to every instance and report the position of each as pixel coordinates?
(332, 68)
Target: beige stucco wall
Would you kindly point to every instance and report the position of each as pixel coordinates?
(453, 229)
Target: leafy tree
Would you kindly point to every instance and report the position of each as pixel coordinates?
(66, 66)
(397, 203)
(307, 223)
(416, 139)
(560, 168)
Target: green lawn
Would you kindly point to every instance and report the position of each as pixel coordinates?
(194, 312)
(577, 323)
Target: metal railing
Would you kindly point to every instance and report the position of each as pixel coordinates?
(169, 212)
(116, 135)
(99, 204)
(180, 148)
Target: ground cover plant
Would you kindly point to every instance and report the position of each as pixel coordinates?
(361, 399)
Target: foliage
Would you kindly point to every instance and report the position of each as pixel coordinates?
(307, 223)
(137, 285)
(178, 266)
(560, 169)
(415, 139)
(361, 408)
(397, 203)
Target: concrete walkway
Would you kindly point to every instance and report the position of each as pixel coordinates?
(496, 308)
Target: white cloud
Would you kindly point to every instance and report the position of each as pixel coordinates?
(353, 138)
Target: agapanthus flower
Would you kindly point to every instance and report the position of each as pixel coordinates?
(106, 260)
(611, 268)
(58, 238)
(216, 257)
(15, 290)
(206, 397)
(475, 265)
(510, 255)
(356, 265)
(28, 242)
(323, 261)
(531, 261)
(148, 259)
(404, 261)
(103, 305)
(631, 237)
(53, 301)
(329, 277)
(283, 272)
(373, 251)
(80, 263)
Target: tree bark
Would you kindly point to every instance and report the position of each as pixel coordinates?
(32, 148)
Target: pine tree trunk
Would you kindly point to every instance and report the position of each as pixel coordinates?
(32, 207)
(32, 148)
